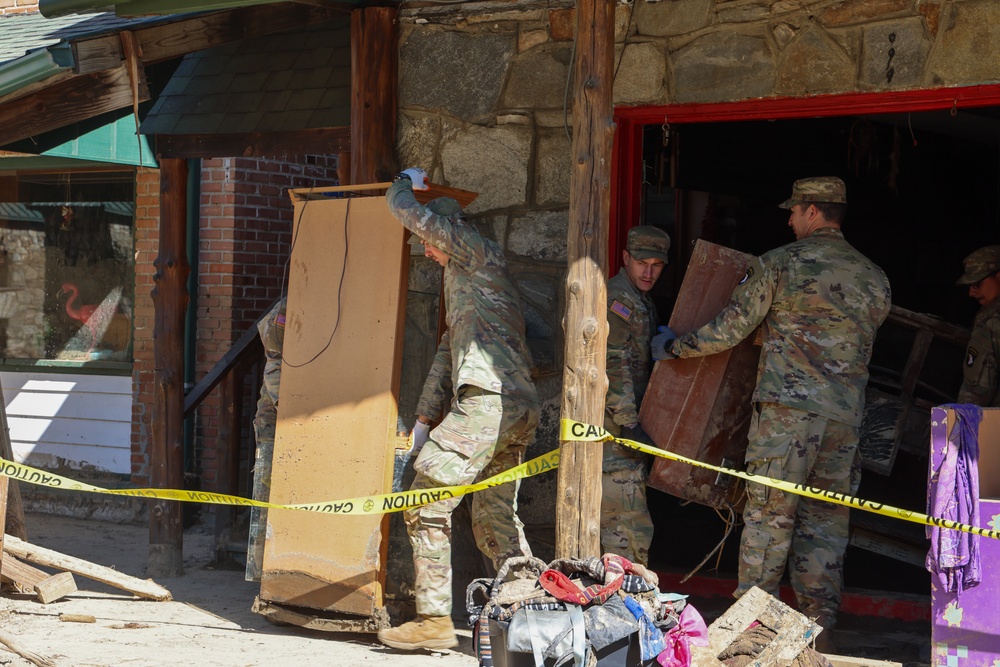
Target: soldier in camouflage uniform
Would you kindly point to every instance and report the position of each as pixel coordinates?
(821, 303)
(982, 275)
(626, 527)
(483, 358)
(272, 335)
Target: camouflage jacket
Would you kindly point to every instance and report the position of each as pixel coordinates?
(979, 385)
(272, 335)
(484, 345)
(821, 302)
(631, 320)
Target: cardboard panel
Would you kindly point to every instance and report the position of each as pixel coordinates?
(338, 407)
(700, 408)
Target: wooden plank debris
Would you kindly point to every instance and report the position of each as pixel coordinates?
(142, 588)
(794, 632)
(30, 656)
(28, 579)
(77, 618)
(55, 587)
(21, 575)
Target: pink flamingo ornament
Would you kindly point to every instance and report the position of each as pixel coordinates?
(83, 313)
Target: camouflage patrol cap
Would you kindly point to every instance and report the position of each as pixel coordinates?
(646, 241)
(819, 189)
(983, 263)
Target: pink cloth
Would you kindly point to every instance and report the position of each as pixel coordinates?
(690, 629)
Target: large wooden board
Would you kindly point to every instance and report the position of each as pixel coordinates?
(338, 406)
(700, 408)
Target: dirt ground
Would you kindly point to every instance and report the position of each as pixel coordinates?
(208, 623)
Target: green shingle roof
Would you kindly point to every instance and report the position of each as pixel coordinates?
(288, 81)
(21, 33)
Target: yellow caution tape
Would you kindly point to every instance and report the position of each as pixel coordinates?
(580, 432)
(380, 504)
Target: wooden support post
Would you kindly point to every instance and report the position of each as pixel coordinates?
(374, 53)
(170, 298)
(11, 509)
(585, 382)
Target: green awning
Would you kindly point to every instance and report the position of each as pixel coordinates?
(115, 142)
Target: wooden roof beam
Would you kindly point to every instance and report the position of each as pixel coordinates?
(174, 39)
(320, 141)
(171, 40)
(70, 101)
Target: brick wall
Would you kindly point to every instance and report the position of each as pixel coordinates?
(18, 6)
(246, 222)
(147, 219)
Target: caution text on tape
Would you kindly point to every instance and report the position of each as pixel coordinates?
(375, 504)
(578, 431)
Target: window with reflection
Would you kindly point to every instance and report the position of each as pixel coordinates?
(67, 265)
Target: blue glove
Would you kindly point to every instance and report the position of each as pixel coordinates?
(661, 343)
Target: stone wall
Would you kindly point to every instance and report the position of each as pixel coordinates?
(485, 105)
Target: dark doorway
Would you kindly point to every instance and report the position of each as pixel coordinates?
(922, 194)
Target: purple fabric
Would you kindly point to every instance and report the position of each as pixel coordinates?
(953, 494)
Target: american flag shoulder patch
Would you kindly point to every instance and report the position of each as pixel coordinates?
(621, 310)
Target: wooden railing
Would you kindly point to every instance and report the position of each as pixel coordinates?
(228, 374)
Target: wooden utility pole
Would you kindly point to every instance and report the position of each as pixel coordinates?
(170, 298)
(374, 86)
(585, 381)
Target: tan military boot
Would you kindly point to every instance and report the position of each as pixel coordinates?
(422, 632)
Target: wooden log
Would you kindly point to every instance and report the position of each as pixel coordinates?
(144, 588)
(170, 298)
(55, 587)
(585, 381)
(77, 618)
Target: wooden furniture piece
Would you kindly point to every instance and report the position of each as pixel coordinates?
(916, 364)
(700, 407)
(336, 428)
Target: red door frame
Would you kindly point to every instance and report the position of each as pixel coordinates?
(626, 158)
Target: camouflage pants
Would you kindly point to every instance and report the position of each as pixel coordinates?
(264, 426)
(626, 527)
(483, 434)
(809, 535)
